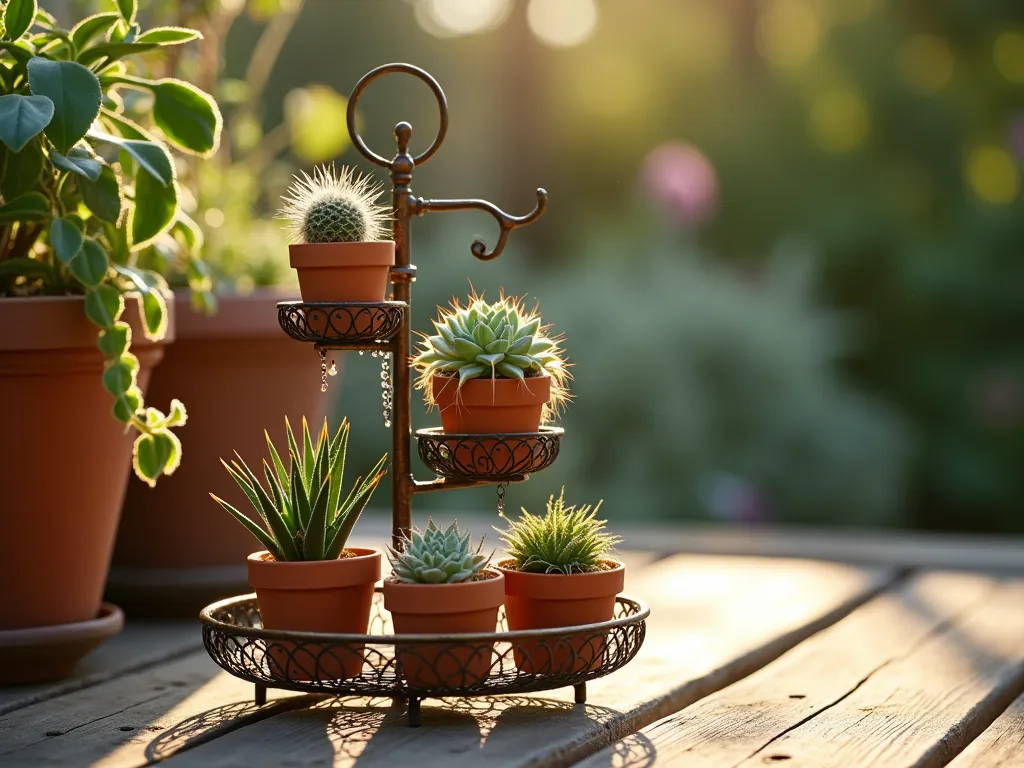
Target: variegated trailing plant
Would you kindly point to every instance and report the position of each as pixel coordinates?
(302, 507)
(86, 189)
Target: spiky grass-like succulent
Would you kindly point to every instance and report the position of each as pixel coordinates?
(334, 207)
(433, 556)
(307, 517)
(565, 540)
(500, 339)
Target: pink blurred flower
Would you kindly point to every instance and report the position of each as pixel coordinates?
(681, 178)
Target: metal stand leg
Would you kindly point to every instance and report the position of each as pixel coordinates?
(261, 694)
(581, 693)
(414, 712)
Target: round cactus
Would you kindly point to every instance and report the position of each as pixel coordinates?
(334, 207)
(434, 556)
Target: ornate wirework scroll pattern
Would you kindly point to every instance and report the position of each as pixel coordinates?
(337, 324)
(488, 457)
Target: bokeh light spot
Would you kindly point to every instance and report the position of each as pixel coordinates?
(316, 119)
(612, 86)
(839, 120)
(992, 174)
(1008, 55)
(788, 33)
(562, 23)
(214, 217)
(451, 18)
(926, 63)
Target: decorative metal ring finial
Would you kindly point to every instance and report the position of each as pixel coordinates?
(386, 69)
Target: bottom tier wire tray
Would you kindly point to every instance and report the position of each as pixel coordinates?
(488, 457)
(414, 667)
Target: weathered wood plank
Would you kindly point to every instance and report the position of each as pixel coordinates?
(1001, 745)
(924, 708)
(139, 646)
(729, 726)
(136, 718)
(713, 621)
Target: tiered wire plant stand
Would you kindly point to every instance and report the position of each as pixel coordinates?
(521, 661)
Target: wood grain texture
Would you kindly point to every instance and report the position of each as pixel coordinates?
(1001, 745)
(140, 645)
(134, 719)
(922, 709)
(714, 620)
(729, 726)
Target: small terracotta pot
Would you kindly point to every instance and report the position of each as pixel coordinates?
(469, 607)
(235, 371)
(545, 600)
(58, 418)
(341, 272)
(316, 596)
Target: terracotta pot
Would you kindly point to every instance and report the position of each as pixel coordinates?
(65, 474)
(469, 607)
(341, 272)
(317, 596)
(237, 374)
(483, 406)
(544, 600)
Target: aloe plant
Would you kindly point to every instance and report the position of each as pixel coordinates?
(302, 506)
(566, 539)
(498, 339)
(334, 207)
(85, 188)
(433, 556)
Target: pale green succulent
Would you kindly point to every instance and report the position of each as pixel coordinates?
(433, 556)
(334, 207)
(565, 540)
(498, 339)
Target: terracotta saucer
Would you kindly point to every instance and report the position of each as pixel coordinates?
(37, 654)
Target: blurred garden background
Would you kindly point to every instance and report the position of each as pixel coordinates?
(785, 240)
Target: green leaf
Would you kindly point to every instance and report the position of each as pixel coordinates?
(172, 446)
(113, 51)
(178, 416)
(22, 171)
(18, 17)
(149, 457)
(262, 536)
(153, 212)
(169, 35)
(272, 516)
(91, 264)
(66, 239)
(104, 305)
(103, 196)
(279, 468)
(22, 118)
(150, 155)
(31, 206)
(118, 378)
(300, 499)
(115, 340)
(308, 456)
(75, 93)
(128, 9)
(154, 306)
(314, 542)
(23, 267)
(21, 52)
(339, 448)
(125, 127)
(79, 161)
(126, 406)
(91, 27)
(468, 372)
(188, 117)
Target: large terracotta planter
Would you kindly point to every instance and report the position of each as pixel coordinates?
(545, 600)
(65, 473)
(317, 596)
(446, 609)
(483, 406)
(238, 374)
(343, 272)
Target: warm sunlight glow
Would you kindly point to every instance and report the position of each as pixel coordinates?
(449, 18)
(1008, 55)
(992, 174)
(612, 86)
(562, 23)
(852, 11)
(788, 33)
(214, 217)
(926, 64)
(703, 38)
(840, 120)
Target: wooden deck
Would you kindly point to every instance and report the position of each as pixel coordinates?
(909, 657)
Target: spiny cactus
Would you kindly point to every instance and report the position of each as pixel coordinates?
(493, 340)
(565, 540)
(303, 507)
(334, 207)
(434, 556)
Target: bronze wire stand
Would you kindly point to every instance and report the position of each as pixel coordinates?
(522, 661)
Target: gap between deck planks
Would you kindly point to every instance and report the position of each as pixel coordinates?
(714, 620)
(1002, 743)
(907, 680)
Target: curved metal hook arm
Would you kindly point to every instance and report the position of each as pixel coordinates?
(505, 221)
